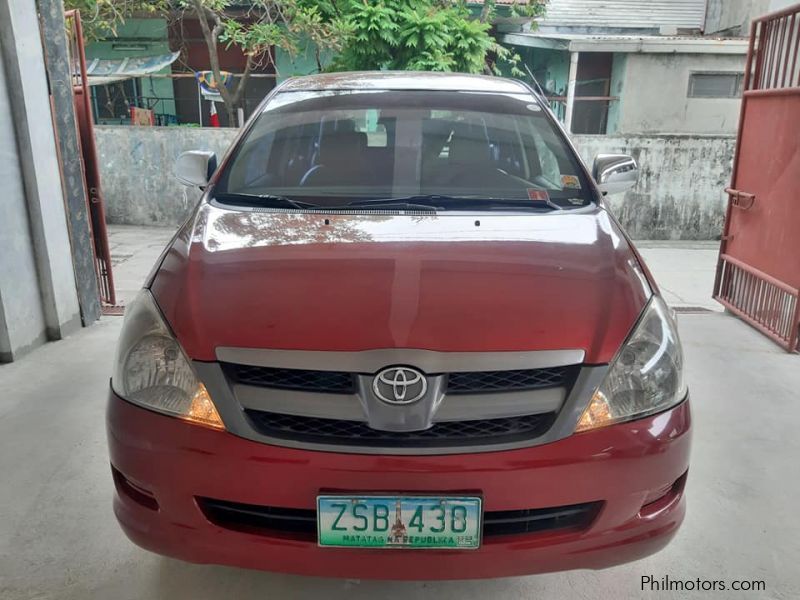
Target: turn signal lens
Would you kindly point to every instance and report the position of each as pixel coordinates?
(597, 414)
(203, 411)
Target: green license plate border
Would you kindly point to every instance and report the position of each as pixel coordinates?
(402, 496)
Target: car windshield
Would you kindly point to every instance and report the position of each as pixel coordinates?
(448, 149)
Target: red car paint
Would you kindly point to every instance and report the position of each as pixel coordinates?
(620, 464)
(445, 282)
(449, 285)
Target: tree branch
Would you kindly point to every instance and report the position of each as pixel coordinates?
(211, 36)
(248, 67)
(486, 11)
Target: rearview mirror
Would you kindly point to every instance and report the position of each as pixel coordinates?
(195, 167)
(615, 173)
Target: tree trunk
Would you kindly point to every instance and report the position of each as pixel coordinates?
(211, 36)
(488, 6)
(231, 112)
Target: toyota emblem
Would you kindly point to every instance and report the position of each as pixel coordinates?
(399, 385)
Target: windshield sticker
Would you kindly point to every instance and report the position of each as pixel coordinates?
(570, 181)
(534, 107)
(534, 194)
(575, 201)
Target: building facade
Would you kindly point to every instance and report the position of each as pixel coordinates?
(172, 92)
(636, 67)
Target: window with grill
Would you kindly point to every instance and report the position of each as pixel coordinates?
(715, 85)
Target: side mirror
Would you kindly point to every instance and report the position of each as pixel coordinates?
(195, 168)
(615, 173)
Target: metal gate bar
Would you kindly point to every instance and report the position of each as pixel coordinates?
(753, 222)
(766, 303)
(83, 114)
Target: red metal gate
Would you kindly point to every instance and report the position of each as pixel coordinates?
(758, 273)
(83, 114)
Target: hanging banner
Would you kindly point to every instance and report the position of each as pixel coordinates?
(209, 86)
(142, 117)
(213, 120)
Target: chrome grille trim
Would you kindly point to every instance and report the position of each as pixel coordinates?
(348, 407)
(305, 404)
(370, 361)
(236, 422)
(494, 406)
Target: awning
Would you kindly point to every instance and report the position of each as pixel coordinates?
(104, 71)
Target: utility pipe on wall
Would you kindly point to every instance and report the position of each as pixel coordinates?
(573, 76)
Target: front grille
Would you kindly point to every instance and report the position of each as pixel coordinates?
(340, 382)
(252, 517)
(332, 382)
(534, 520)
(507, 381)
(302, 523)
(358, 433)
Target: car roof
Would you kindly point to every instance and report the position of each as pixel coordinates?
(404, 80)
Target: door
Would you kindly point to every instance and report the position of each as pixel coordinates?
(758, 272)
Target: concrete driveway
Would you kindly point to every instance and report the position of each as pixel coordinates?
(58, 537)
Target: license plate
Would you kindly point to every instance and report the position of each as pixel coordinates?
(399, 522)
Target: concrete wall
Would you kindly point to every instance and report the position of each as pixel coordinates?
(733, 17)
(780, 4)
(38, 298)
(655, 95)
(679, 195)
(21, 318)
(136, 169)
(680, 190)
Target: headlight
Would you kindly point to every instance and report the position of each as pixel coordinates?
(645, 377)
(151, 369)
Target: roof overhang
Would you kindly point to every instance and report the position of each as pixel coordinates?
(628, 43)
(105, 71)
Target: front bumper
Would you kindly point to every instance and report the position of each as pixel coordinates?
(621, 466)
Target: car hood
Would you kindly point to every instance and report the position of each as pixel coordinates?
(373, 280)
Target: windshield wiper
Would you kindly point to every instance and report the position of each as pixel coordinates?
(418, 202)
(422, 202)
(267, 200)
(498, 203)
(441, 202)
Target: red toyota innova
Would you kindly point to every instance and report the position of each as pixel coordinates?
(400, 337)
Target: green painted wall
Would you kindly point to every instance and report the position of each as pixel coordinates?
(617, 84)
(153, 38)
(550, 67)
(302, 63)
